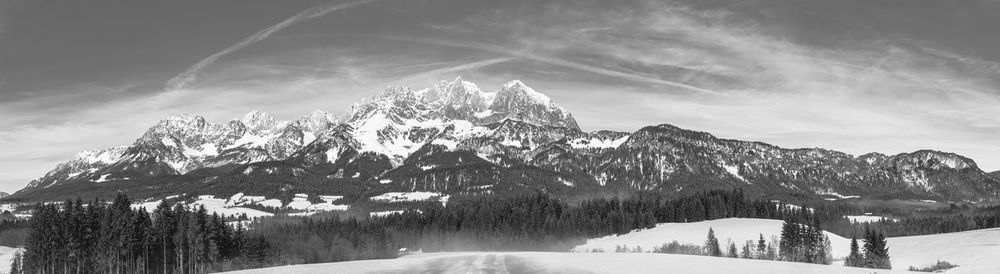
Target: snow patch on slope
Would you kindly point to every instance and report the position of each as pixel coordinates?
(581, 143)
(405, 196)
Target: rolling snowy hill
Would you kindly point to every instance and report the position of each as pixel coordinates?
(737, 230)
(974, 251)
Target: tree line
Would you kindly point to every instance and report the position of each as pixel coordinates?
(102, 237)
(175, 239)
(531, 222)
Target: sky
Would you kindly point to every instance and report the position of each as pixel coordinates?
(857, 76)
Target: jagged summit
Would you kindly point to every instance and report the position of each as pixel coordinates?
(463, 100)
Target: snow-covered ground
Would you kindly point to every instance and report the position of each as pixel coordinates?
(217, 205)
(544, 262)
(408, 196)
(235, 205)
(388, 212)
(6, 256)
(738, 230)
(976, 251)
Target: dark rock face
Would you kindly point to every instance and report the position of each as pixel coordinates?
(456, 138)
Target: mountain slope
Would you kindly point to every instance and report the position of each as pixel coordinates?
(459, 139)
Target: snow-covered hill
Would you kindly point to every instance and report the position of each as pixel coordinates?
(737, 230)
(974, 251)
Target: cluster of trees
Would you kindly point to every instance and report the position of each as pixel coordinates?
(114, 238)
(876, 252)
(761, 250)
(804, 243)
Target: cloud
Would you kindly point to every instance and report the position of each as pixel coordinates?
(190, 75)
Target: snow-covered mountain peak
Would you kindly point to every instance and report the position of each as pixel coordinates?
(183, 121)
(457, 94)
(105, 156)
(938, 160)
(258, 120)
(318, 120)
(519, 89)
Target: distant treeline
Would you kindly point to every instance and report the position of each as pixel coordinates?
(525, 223)
(540, 222)
(972, 219)
(954, 219)
(113, 238)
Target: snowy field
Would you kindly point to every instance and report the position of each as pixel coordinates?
(738, 230)
(544, 262)
(6, 256)
(976, 251)
(408, 196)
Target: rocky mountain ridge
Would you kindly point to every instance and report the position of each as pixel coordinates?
(456, 138)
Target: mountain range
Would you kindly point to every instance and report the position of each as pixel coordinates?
(456, 138)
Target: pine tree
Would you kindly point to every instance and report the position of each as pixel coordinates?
(789, 241)
(712, 244)
(761, 247)
(747, 253)
(732, 250)
(870, 256)
(876, 251)
(825, 253)
(855, 259)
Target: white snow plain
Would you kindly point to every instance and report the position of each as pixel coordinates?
(6, 257)
(405, 196)
(974, 251)
(557, 262)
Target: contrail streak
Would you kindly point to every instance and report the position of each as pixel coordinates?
(189, 75)
(558, 62)
(467, 66)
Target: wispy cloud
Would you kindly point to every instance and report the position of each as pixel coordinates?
(526, 54)
(190, 75)
(439, 72)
